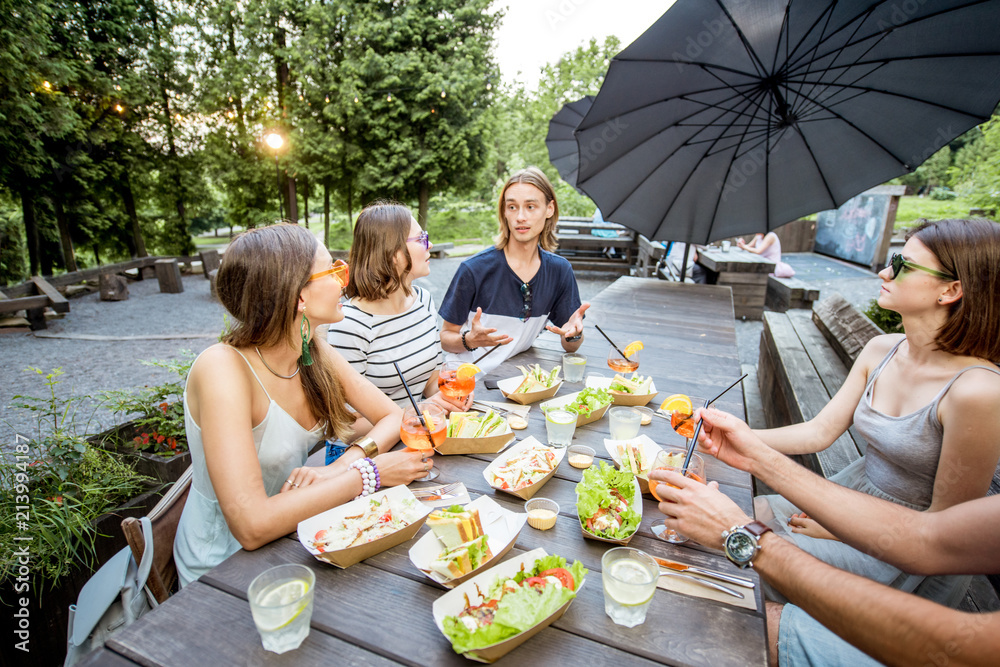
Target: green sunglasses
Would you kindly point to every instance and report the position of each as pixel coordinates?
(898, 264)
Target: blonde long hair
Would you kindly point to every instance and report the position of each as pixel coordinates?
(259, 281)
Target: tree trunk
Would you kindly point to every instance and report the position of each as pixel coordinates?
(350, 207)
(30, 230)
(424, 199)
(326, 212)
(293, 204)
(305, 199)
(125, 188)
(97, 255)
(65, 241)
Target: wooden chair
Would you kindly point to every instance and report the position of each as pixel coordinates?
(164, 518)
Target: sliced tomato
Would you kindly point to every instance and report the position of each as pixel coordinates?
(535, 582)
(563, 575)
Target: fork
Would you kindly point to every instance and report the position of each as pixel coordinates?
(436, 492)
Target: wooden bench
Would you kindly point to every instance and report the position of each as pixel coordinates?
(440, 250)
(34, 305)
(587, 252)
(651, 253)
(785, 293)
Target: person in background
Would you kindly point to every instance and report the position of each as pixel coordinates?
(255, 403)
(927, 402)
(693, 271)
(506, 294)
(830, 605)
(769, 247)
(387, 318)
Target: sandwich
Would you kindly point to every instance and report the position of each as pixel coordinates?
(463, 559)
(633, 459)
(455, 525)
(475, 424)
(535, 379)
(638, 385)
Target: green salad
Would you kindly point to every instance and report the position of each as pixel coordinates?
(515, 604)
(605, 502)
(586, 402)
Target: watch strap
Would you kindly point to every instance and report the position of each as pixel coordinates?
(757, 528)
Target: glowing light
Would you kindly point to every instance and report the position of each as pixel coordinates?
(46, 85)
(274, 140)
(355, 99)
(443, 94)
(389, 98)
(119, 108)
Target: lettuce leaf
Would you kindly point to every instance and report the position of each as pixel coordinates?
(518, 610)
(594, 492)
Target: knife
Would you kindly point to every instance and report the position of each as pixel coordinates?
(704, 582)
(681, 567)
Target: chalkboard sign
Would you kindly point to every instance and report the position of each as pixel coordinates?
(859, 231)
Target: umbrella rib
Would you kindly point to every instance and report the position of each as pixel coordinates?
(811, 55)
(754, 58)
(819, 170)
(806, 98)
(828, 14)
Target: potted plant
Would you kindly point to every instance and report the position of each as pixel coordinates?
(154, 438)
(61, 504)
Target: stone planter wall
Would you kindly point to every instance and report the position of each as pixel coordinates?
(163, 468)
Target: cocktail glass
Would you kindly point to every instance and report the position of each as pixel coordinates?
(417, 438)
(673, 461)
(281, 602)
(620, 364)
(454, 385)
(629, 578)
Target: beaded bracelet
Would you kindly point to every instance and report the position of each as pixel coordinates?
(466, 345)
(371, 481)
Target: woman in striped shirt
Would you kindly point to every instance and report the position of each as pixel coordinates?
(388, 319)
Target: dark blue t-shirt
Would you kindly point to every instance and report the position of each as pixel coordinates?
(486, 281)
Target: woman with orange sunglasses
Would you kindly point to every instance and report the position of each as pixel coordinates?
(257, 402)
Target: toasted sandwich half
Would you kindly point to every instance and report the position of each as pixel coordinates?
(463, 559)
(455, 525)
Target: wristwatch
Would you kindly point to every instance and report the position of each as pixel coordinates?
(741, 543)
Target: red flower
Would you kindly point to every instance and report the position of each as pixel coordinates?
(58, 500)
(160, 439)
(163, 406)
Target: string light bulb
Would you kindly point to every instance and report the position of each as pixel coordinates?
(119, 108)
(443, 94)
(389, 97)
(274, 140)
(355, 99)
(46, 85)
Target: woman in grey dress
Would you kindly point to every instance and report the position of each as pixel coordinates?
(927, 401)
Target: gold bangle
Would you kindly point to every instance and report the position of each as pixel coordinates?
(367, 445)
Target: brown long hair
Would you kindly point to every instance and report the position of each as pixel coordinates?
(970, 250)
(379, 236)
(259, 281)
(530, 176)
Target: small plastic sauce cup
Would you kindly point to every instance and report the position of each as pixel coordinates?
(542, 513)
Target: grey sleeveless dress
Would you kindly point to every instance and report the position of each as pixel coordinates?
(203, 538)
(900, 466)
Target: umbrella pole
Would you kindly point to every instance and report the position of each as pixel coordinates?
(684, 262)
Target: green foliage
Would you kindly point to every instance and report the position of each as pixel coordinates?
(913, 210)
(942, 194)
(158, 410)
(976, 174)
(65, 483)
(888, 321)
(13, 268)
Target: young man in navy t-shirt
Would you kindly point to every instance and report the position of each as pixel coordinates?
(505, 295)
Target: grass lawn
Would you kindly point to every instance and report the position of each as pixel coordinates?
(913, 208)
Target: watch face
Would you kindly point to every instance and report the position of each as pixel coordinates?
(741, 547)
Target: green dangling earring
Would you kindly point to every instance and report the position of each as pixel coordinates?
(306, 358)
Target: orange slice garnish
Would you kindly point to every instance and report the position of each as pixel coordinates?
(677, 403)
(632, 348)
(429, 421)
(466, 371)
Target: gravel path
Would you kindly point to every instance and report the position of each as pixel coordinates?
(150, 325)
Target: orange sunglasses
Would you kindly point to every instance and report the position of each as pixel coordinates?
(340, 271)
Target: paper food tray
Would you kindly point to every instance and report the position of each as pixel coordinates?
(400, 499)
(636, 503)
(508, 385)
(649, 448)
(559, 401)
(527, 443)
(453, 602)
(500, 525)
(598, 382)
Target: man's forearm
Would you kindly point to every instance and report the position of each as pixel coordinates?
(894, 627)
(451, 341)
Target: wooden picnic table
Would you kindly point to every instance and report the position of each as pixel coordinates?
(743, 271)
(379, 611)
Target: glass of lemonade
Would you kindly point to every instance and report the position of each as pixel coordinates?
(560, 425)
(629, 577)
(624, 423)
(573, 365)
(281, 601)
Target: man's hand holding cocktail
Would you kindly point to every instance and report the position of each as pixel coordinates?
(699, 511)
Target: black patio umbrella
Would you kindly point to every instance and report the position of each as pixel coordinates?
(561, 142)
(728, 117)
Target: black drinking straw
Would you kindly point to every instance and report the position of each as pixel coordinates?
(624, 356)
(697, 429)
(412, 400)
(486, 354)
